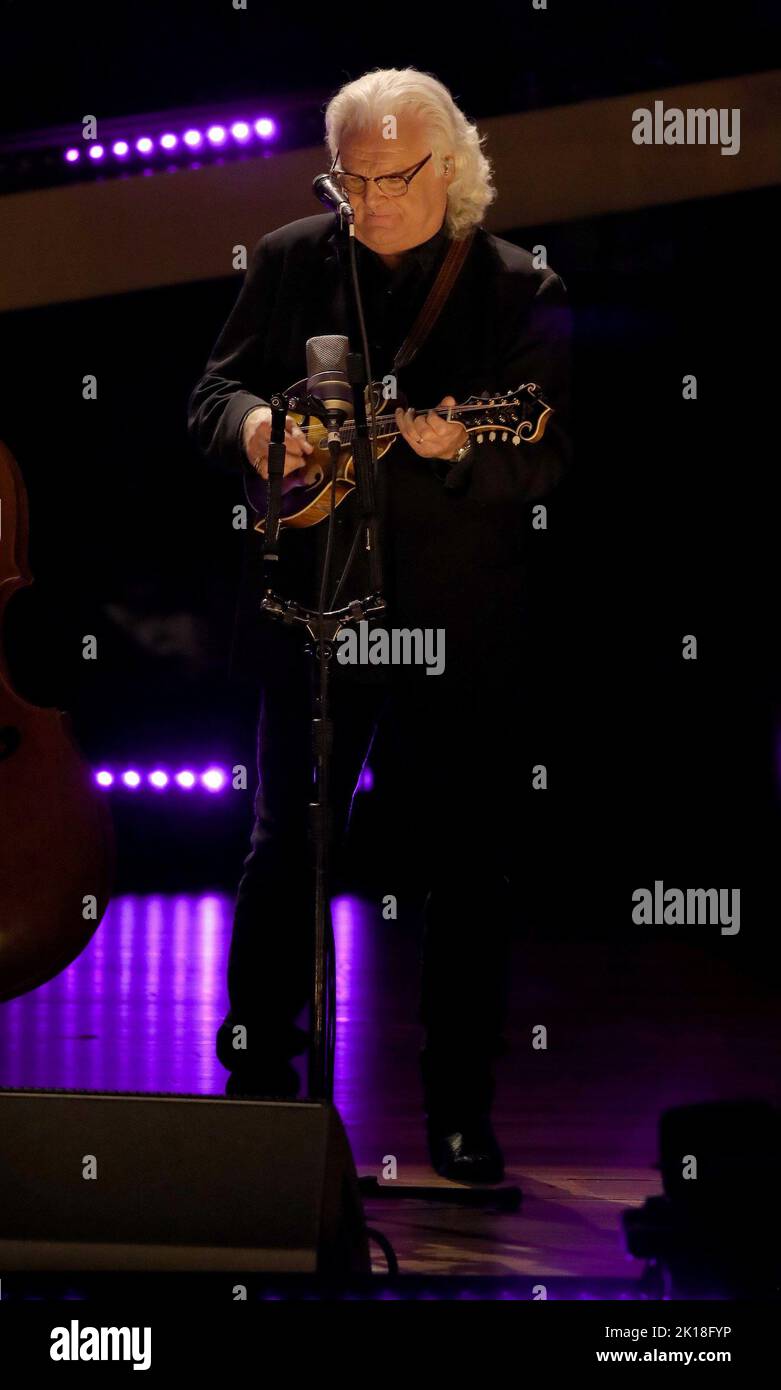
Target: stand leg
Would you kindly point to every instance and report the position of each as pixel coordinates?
(321, 1059)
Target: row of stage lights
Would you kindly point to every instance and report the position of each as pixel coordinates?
(241, 133)
(214, 779)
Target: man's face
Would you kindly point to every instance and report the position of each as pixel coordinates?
(391, 225)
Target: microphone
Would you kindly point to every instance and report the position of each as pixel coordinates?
(327, 381)
(328, 191)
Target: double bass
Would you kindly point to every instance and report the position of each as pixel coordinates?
(56, 838)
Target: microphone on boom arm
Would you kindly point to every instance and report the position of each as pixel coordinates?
(328, 191)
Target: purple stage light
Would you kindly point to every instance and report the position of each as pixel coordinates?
(216, 136)
(214, 779)
(211, 779)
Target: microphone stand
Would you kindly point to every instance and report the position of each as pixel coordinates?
(324, 627)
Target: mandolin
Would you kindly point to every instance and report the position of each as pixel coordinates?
(56, 839)
(520, 416)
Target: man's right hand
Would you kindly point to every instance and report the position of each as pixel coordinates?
(256, 432)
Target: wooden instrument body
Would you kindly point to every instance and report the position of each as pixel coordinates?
(521, 415)
(56, 838)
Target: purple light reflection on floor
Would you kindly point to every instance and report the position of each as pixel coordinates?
(356, 939)
(139, 1009)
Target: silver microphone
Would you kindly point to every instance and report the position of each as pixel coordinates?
(327, 381)
(328, 191)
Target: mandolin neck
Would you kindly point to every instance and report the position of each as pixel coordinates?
(388, 429)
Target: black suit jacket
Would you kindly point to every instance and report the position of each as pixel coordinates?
(455, 556)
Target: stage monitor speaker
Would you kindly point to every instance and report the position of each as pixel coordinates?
(111, 1181)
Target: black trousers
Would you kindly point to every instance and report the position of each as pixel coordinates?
(457, 759)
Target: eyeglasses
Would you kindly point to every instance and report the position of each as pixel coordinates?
(392, 185)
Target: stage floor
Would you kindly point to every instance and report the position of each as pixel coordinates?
(632, 1029)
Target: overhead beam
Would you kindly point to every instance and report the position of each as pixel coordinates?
(82, 241)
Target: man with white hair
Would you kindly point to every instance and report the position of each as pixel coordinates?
(455, 527)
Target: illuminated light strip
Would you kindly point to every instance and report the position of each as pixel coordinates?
(157, 779)
(212, 779)
(215, 135)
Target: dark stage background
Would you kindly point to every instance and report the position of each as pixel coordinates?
(663, 529)
(506, 56)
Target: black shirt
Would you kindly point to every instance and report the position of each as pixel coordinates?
(396, 294)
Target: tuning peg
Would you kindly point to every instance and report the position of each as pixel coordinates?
(479, 438)
(492, 436)
(504, 437)
(516, 439)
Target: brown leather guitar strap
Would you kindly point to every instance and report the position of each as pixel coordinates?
(449, 272)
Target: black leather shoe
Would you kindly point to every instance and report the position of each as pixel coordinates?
(470, 1154)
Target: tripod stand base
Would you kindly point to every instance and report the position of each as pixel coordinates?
(507, 1198)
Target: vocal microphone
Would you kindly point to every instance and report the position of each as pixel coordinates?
(328, 191)
(327, 382)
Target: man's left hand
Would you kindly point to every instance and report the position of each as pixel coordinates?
(429, 435)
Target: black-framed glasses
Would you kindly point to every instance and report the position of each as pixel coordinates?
(392, 185)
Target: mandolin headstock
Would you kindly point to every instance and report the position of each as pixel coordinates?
(519, 415)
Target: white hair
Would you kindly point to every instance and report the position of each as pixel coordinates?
(365, 103)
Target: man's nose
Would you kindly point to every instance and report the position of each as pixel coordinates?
(373, 198)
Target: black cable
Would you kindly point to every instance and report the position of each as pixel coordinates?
(329, 945)
(366, 355)
(387, 1250)
(347, 564)
(328, 553)
(328, 938)
(358, 305)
